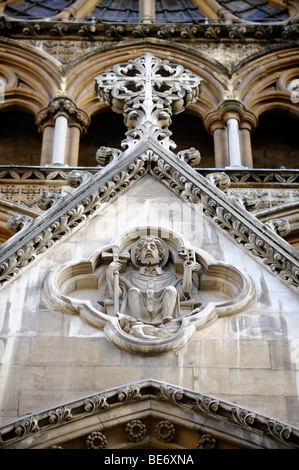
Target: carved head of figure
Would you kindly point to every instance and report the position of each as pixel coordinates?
(149, 251)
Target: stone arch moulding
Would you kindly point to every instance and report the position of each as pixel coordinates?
(261, 85)
(31, 77)
(188, 290)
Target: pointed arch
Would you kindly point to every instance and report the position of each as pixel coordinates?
(263, 84)
(80, 75)
(31, 77)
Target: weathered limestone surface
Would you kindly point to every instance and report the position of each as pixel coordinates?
(50, 357)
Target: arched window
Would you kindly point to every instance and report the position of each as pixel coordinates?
(107, 130)
(37, 9)
(188, 131)
(127, 11)
(255, 10)
(20, 142)
(275, 142)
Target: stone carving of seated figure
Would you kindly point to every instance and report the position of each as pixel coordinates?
(148, 293)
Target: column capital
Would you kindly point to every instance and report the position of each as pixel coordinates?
(228, 109)
(62, 106)
(231, 108)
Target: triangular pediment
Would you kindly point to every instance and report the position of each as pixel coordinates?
(148, 415)
(102, 317)
(147, 156)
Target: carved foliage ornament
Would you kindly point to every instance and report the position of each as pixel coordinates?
(241, 423)
(40, 30)
(149, 291)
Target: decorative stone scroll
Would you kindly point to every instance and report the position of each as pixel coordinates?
(148, 89)
(40, 30)
(150, 291)
(18, 222)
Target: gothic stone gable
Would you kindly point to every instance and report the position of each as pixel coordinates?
(148, 156)
(240, 344)
(258, 344)
(148, 415)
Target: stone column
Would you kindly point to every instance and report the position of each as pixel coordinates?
(61, 124)
(234, 150)
(245, 144)
(60, 134)
(73, 145)
(220, 148)
(214, 126)
(147, 12)
(47, 144)
(77, 125)
(239, 124)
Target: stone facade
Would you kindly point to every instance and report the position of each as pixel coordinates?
(223, 373)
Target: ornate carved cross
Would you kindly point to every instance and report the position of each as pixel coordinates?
(148, 89)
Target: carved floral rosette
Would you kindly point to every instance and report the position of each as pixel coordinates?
(77, 287)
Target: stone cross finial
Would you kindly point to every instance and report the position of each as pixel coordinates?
(148, 89)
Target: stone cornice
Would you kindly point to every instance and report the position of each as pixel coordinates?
(248, 428)
(241, 177)
(20, 185)
(20, 29)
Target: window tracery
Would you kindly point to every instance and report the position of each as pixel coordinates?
(116, 11)
(255, 10)
(37, 8)
(182, 11)
(167, 11)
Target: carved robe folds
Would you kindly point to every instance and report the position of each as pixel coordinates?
(151, 297)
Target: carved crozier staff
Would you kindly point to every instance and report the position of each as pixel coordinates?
(116, 257)
(190, 266)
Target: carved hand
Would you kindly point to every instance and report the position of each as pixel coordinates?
(114, 268)
(192, 266)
